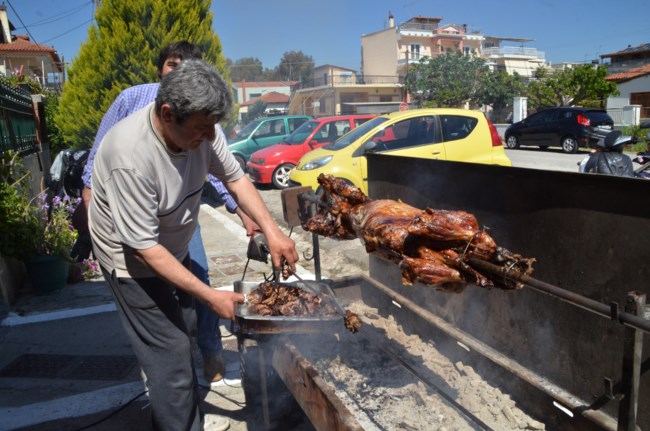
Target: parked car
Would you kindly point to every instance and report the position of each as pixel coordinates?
(570, 128)
(445, 134)
(273, 164)
(262, 133)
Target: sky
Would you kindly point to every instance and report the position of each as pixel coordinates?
(330, 31)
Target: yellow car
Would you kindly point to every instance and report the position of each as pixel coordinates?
(445, 134)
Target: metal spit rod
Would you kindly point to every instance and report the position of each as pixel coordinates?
(611, 311)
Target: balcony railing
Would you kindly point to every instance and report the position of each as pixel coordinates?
(509, 51)
(414, 26)
(624, 66)
(17, 126)
(358, 79)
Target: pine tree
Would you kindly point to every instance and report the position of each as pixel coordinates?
(121, 51)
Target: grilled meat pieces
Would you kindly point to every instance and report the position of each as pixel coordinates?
(273, 299)
(430, 246)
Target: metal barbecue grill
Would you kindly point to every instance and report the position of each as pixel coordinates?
(568, 349)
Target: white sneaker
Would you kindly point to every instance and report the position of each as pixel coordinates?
(215, 423)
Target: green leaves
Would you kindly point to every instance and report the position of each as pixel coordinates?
(449, 80)
(581, 86)
(121, 51)
(454, 79)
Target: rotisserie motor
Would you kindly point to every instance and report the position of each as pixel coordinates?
(430, 246)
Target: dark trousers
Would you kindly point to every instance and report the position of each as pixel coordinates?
(160, 321)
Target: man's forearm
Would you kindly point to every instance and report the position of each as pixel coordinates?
(85, 197)
(167, 267)
(251, 202)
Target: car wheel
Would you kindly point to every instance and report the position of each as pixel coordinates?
(569, 145)
(281, 175)
(241, 161)
(512, 142)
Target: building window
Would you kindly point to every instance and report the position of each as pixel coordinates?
(415, 51)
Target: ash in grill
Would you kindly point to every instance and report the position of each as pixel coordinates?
(274, 299)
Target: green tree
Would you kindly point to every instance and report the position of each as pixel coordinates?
(584, 85)
(448, 80)
(122, 49)
(294, 66)
(498, 90)
(254, 112)
(247, 69)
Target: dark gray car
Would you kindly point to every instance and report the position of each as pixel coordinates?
(569, 128)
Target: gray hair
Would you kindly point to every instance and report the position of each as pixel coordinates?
(194, 86)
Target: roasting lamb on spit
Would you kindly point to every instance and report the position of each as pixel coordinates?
(430, 246)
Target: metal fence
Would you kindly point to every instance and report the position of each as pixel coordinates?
(17, 125)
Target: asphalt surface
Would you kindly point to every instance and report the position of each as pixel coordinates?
(66, 364)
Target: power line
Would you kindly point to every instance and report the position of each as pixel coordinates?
(54, 18)
(21, 21)
(68, 31)
(59, 16)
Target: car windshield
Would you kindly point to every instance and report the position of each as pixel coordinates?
(346, 140)
(246, 130)
(301, 133)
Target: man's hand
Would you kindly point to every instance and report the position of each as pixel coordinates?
(248, 223)
(223, 303)
(167, 267)
(281, 246)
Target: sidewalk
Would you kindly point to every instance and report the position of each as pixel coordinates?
(65, 361)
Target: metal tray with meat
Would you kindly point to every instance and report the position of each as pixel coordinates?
(250, 322)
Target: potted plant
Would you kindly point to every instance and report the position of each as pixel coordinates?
(35, 230)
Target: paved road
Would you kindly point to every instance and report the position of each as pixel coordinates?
(553, 159)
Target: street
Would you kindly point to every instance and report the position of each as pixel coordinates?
(552, 159)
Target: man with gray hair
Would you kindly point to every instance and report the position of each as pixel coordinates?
(147, 182)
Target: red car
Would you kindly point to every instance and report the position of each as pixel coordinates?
(273, 164)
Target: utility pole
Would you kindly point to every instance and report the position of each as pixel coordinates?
(406, 74)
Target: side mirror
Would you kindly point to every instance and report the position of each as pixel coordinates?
(312, 143)
(611, 138)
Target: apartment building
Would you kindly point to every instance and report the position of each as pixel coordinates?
(338, 90)
(386, 56)
(390, 51)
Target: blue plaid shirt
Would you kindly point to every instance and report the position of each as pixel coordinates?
(129, 101)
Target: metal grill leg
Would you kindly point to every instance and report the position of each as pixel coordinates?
(632, 356)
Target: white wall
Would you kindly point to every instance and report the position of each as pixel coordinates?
(638, 85)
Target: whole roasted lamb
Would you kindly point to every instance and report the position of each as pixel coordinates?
(433, 247)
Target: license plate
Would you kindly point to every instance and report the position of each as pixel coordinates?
(605, 127)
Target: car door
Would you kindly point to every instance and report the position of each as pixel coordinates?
(552, 130)
(536, 131)
(466, 139)
(269, 133)
(413, 137)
